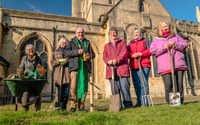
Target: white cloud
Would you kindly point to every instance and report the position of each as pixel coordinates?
(32, 7)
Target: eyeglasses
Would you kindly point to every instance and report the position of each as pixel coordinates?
(79, 32)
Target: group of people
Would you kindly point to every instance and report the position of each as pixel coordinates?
(77, 66)
(120, 57)
(72, 65)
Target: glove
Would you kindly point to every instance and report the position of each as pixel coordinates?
(86, 57)
(62, 61)
(20, 73)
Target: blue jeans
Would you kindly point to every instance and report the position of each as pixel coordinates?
(137, 83)
(122, 87)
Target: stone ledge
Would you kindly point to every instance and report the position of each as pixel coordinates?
(41, 16)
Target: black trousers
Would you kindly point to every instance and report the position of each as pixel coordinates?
(178, 78)
(63, 95)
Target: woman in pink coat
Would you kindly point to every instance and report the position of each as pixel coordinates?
(167, 39)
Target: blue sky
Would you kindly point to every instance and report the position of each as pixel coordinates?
(180, 9)
(61, 7)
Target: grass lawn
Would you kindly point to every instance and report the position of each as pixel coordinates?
(187, 114)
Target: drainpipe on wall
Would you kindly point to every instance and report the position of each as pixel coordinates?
(54, 37)
(54, 47)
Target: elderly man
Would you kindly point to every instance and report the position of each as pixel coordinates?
(80, 53)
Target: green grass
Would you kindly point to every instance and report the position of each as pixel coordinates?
(187, 114)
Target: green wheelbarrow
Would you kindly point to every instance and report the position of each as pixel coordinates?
(17, 87)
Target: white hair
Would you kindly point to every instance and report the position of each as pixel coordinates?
(29, 46)
(63, 38)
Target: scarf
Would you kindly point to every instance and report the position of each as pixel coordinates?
(82, 45)
(139, 38)
(63, 50)
(166, 33)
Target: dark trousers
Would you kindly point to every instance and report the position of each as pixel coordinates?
(178, 78)
(26, 103)
(63, 95)
(122, 87)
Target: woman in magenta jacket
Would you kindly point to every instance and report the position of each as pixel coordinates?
(137, 49)
(166, 38)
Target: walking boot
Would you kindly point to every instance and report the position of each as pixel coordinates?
(82, 105)
(64, 105)
(72, 110)
(25, 108)
(57, 106)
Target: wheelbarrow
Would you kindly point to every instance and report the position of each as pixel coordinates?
(18, 86)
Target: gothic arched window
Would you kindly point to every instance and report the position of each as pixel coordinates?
(141, 6)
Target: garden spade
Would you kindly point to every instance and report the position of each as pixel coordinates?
(174, 97)
(115, 104)
(146, 98)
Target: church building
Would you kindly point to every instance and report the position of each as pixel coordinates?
(19, 28)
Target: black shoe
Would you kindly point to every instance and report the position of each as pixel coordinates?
(57, 108)
(26, 108)
(130, 107)
(83, 110)
(137, 105)
(64, 105)
(72, 110)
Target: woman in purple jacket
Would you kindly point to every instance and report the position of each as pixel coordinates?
(167, 39)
